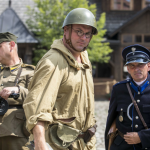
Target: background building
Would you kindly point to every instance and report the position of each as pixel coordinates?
(12, 19)
(127, 22)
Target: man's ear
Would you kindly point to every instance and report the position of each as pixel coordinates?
(148, 66)
(12, 45)
(128, 69)
(65, 29)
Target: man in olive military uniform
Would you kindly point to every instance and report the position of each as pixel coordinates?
(14, 79)
(132, 132)
(61, 95)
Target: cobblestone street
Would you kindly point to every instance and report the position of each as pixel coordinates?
(101, 111)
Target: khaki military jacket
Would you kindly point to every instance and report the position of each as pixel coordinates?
(62, 88)
(11, 122)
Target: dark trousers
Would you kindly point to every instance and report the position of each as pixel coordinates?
(13, 143)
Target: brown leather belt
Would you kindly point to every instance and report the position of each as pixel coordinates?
(121, 134)
(15, 107)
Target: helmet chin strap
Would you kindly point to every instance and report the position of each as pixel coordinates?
(68, 41)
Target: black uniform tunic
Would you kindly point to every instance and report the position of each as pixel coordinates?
(120, 101)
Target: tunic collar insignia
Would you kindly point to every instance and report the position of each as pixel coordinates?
(1, 68)
(13, 68)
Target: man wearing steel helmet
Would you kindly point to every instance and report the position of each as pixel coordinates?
(60, 105)
(132, 132)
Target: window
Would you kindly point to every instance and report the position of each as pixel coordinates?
(121, 4)
(147, 38)
(127, 38)
(145, 3)
(138, 38)
(133, 38)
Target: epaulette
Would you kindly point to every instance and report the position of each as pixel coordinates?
(27, 65)
(122, 82)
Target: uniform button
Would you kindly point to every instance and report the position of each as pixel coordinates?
(138, 100)
(121, 109)
(131, 125)
(136, 126)
(137, 117)
(145, 148)
(1, 84)
(139, 93)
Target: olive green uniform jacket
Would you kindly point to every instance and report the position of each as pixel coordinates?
(62, 88)
(11, 122)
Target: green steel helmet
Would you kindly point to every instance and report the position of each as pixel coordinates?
(81, 16)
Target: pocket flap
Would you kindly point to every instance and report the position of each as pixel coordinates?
(20, 116)
(122, 107)
(66, 133)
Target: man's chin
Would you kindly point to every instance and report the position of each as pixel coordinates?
(79, 50)
(138, 79)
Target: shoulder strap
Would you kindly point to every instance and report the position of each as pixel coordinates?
(18, 75)
(136, 106)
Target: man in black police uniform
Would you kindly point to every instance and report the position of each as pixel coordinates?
(131, 133)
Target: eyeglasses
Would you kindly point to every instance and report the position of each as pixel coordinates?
(140, 65)
(81, 33)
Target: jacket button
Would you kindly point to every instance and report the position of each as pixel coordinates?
(136, 126)
(145, 148)
(137, 117)
(1, 84)
(138, 100)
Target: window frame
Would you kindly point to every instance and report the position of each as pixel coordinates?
(143, 4)
(133, 38)
(131, 6)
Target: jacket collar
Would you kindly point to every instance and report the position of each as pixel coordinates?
(12, 68)
(142, 87)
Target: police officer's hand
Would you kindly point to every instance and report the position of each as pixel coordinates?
(132, 138)
(7, 91)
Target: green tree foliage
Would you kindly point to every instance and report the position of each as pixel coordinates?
(46, 20)
(98, 49)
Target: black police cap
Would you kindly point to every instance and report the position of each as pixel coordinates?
(136, 53)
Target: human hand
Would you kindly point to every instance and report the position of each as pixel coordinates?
(7, 91)
(132, 138)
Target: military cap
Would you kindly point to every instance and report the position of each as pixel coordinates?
(136, 54)
(7, 37)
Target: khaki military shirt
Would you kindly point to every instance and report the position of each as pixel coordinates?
(61, 88)
(12, 121)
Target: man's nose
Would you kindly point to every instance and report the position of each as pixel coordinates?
(136, 67)
(83, 36)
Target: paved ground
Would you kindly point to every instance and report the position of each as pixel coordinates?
(101, 111)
